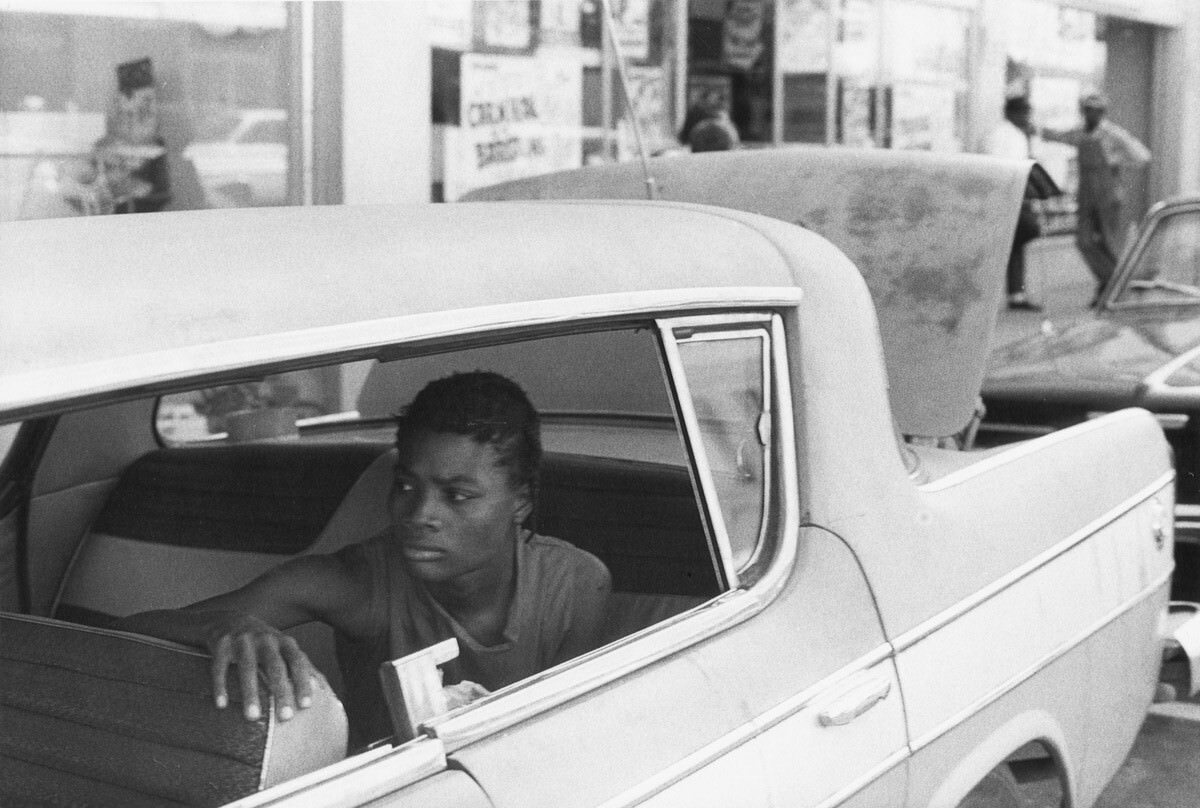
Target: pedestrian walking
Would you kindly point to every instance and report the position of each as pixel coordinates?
(1011, 139)
(1107, 154)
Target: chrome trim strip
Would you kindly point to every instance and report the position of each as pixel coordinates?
(29, 391)
(694, 437)
(927, 627)
(870, 776)
(574, 678)
(356, 780)
(744, 733)
(1157, 379)
(1020, 450)
(1019, 678)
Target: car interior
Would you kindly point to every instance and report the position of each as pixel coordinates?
(159, 501)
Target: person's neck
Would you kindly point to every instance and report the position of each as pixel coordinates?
(480, 600)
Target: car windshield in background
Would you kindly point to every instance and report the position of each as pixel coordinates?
(1167, 267)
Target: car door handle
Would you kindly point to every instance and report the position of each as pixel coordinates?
(854, 702)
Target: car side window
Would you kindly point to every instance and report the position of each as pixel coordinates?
(8, 434)
(725, 381)
(1167, 269)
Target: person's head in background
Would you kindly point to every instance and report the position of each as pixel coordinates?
(713, 134)
(1092, 107)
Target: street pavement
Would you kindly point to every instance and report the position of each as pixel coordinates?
(1057, 280)
(1163, 769)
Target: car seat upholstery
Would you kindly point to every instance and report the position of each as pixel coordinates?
(641, 519)
(103, 718)
(188, 523)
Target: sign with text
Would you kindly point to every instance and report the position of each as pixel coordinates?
(631, 19)
(520, 116)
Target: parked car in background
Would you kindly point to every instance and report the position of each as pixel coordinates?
(820, 596)
(1139, 346)
(243, 162)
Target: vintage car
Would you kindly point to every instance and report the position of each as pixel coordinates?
(820, 596)
(1139, 347)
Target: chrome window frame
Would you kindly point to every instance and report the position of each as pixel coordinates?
(711, 329)
(575, 678)
(1133, 256)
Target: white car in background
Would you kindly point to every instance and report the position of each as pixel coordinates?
(244, 164)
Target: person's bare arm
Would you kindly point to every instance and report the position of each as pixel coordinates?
(245, 628)
(1069, 136)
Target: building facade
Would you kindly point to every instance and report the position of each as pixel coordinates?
(262, 103)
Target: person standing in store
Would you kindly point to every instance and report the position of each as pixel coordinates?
(1011, 139)
(1107, 154)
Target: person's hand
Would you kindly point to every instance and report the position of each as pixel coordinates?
(250, 644)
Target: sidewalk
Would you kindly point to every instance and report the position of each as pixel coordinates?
(1057, 280)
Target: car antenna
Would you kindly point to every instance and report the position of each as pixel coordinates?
(611, 29)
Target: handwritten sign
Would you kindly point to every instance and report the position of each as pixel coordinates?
(520, 116)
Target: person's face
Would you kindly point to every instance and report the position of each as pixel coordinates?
(454, 509)
(1091, 116)
(1020, 119)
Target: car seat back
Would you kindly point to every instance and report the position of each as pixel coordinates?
(103, 718)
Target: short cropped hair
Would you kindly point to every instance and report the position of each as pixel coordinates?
(713, 134)
(489, 409)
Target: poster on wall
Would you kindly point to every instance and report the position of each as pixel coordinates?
(559, 22)
(450, 24)
(631, 21)
(742, 34)
(923, 118)
(505, 25)
(520, 116)
(651, 99)
(804, 30)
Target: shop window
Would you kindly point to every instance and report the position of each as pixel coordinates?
(126, 107)
(522, 88)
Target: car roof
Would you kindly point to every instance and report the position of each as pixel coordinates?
(98, 302)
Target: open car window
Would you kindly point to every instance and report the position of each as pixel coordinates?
(659, 459)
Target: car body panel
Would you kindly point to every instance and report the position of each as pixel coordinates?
(908, 629)
(928, 234)
(252, 294)
(1103, 362)
(791, 634)
(1140, 346)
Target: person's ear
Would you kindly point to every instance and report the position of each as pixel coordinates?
(524, 505)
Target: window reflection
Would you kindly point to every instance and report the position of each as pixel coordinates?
(135, 107)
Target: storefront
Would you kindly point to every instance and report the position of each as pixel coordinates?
(265, 103)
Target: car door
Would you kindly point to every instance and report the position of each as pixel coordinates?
(782, 690)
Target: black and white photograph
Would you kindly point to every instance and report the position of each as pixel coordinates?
(600, 403)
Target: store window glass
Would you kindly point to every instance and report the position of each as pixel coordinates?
(144, 106)
(1054, 54)
(928, 67)
(522, 88)
(863, 102)
(731, 61)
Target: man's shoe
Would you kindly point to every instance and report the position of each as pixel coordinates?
(1023, 304)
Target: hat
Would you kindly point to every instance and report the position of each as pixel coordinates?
(134, 76)
(1093, 101)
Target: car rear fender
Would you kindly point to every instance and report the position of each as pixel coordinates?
(1033, 726)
